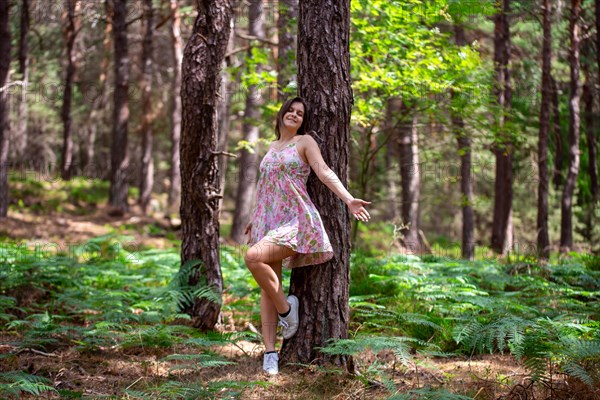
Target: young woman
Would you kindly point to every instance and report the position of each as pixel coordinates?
(286, 228)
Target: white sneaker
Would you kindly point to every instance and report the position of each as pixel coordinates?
(270, 363)
(290, 323)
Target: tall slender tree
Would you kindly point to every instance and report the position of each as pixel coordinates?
(147, 162)
(566, 224)
(464, 150)
(287, 28)
(202, 60)
(503, 191)
(324, 35)
(72, 26)
(22, 116)
(543, 240)
(248, 165)
(4, 121)
(557, 136)
(174, 172)
(410, 179)
(119, 159)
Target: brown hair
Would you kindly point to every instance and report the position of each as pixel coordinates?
(284, 108)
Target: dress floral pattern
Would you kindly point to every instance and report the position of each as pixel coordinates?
(284, 212)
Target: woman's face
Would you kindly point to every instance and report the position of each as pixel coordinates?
(293, 117)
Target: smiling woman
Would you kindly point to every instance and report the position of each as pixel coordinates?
(287, 230)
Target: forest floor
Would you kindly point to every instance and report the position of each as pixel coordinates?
(109, 371)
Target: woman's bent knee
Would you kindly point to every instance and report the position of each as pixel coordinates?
(252, 256)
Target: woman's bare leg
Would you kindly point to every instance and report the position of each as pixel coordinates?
(268, 314)
(258, 259)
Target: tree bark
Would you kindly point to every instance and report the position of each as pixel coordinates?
(22, 115)
(557, 135)
(119, 155)
(543, 240)
(202, 60)
(70, 32)
(248, 165)
(410, 182)
(394, 110)
(324, 35)
(587, 96)
(464, 150)
(223, 112)
(286, 46)
(4, 121)
(502, 221)
(174, 198)
(566, 225)
(147, 170)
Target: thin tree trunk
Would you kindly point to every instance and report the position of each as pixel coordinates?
(323, 290)
(394, 109)
(99, 103)
(223, 114)
(119, 156)
(147, 170)
(71, 30)
(587, 97)
(248, 165)
(502, 221)
(410, 181)
(202, 60)
(557, 135)
(175, 173)
(4, 121)
(286, 46)
(464, 150)
(566, 225)
(543, 240)
(22, 111)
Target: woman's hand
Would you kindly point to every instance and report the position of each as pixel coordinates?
(248, 228)
(357, 209)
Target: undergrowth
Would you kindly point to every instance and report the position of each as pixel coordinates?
(99, 297)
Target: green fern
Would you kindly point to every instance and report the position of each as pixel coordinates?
(14, 383)
(428, 394)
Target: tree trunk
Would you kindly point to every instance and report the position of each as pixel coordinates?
(99, 104)
(119, 157)
(394, 110)
(22, 111)
(587, 97)
(4, 122)
(557, 135)
(502, 221)
(202, 59)
(70, 33)
(543, 240)
(147, 170)
(324, 34)
(248, 165)
(175, 173)
(566, 225)
(223, 113)
(286, 46)
(464, 150)
(410, 180)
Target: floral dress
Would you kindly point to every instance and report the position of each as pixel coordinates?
(284, 213)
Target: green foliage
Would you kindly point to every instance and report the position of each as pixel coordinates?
(428, 394)
(15, 383)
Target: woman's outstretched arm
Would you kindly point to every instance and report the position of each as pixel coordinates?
(331, 180)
